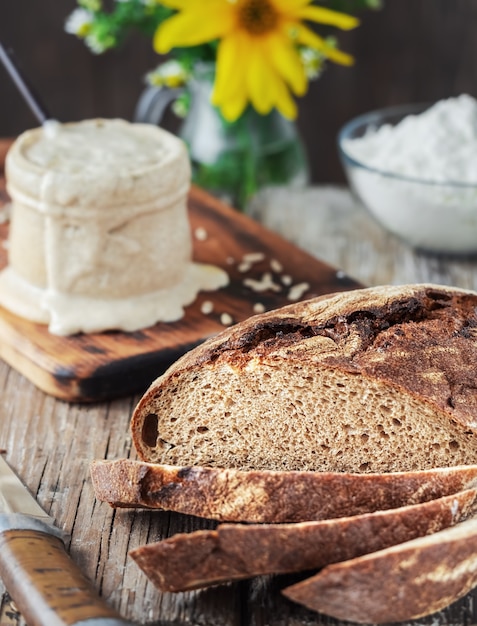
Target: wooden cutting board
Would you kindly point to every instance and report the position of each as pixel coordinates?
(101, 366)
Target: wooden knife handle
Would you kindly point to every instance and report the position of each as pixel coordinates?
(46, 585)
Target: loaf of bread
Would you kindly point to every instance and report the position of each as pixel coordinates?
(269, 496)
(401, 583)
(371, 380)
(236, 551)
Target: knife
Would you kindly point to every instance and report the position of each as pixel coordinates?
(40, 576)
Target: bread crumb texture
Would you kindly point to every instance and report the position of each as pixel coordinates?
(371, 380)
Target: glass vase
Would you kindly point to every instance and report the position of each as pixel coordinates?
(232, 160)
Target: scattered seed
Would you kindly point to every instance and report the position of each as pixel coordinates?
(207, 307)
(230, 260)
(264, 284)
(258, 307)
(226, 319)
(253, 257)
(340, 274)
(297, 291)
(286, 280)
(201, 234)
(244, 267)
(276, 266)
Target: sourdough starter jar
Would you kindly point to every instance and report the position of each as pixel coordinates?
(99, 234)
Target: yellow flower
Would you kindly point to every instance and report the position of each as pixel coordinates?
(258, 58)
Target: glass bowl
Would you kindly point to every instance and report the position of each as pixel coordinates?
(432, 216)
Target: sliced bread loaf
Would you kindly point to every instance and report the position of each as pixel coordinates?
(236, 551)
(397, 584)
(371, 380)
(269, 496)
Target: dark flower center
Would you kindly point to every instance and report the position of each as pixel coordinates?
(257, 16)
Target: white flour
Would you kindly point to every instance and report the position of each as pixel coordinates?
(439, 145)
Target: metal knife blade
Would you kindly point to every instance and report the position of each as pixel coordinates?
(43, 581)
(15, 498)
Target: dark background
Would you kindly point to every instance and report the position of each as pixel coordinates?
(409, 51)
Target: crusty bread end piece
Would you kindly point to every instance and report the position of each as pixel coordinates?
(401, 583)
(237, 551)
(370, 380)
(269, 496)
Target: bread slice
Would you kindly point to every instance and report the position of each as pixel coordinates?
(237, 551)
(371, 380)
(401, 583)
(269, 496)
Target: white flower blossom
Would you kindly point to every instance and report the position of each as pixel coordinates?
(79, 22)
(171, 73)
(312, 62)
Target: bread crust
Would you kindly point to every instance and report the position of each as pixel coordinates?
(237, 551)
(269, 496)
(397, 584)
(413, 344)
(359, 396)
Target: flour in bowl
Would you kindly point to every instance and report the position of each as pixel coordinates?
(419, 177)
(438, 145)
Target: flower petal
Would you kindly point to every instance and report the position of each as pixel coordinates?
(233, 109)
(267, 88)
(230, 87)
(290, 7)
(259, 79)
(231, 67)
(327, 16)
(308, 38)
(286, 61)
(190, 29)
(281, 97)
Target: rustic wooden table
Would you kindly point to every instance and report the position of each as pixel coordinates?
(50, 443)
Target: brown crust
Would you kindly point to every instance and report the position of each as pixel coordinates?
(418, 338)
(269, 497)
(238, 551)
(402, 583)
